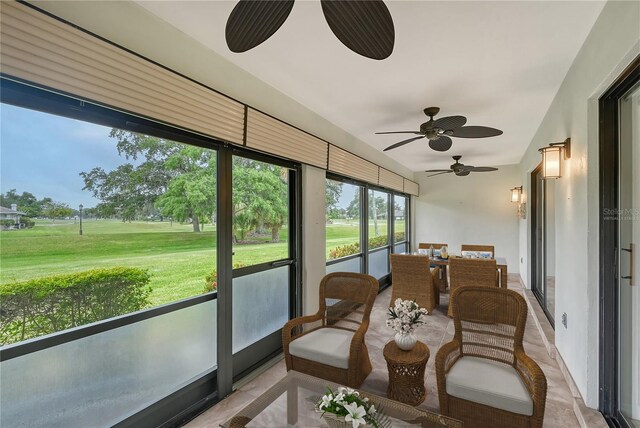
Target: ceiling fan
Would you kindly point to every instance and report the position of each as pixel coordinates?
(439, 131)
(364, 26)
(460, 169)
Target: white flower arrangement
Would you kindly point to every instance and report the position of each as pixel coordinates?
(405, 316)
(347, 403)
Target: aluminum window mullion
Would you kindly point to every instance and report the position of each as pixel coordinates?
(364, 228)
(225, 272)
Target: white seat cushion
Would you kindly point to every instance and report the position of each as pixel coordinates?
(491, 383)
(328, 346)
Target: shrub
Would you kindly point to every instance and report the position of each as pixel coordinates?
(378, 241)
(45, 305)
(7, 223)
(344, 251)
(27, 222)
(399, 237)
(211, 280)
(350, 249)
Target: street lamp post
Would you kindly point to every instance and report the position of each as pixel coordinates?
(80, 219)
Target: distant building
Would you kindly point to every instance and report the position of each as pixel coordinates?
(11, 214)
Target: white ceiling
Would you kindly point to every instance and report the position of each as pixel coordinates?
(498, 63)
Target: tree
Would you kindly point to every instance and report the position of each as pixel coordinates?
(260, 197)
(377, 209)
(332, 197)
(176, 178)
(353, 210)
(54, 210)
(26, 202)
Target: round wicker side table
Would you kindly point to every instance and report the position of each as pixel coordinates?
(406, 372)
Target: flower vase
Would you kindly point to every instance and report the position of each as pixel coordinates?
(405, 341)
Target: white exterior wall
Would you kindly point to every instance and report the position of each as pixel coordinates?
(611, 45)
(476, 209)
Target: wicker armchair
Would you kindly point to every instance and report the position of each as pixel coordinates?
(442, 276)
(463, 272)
(467, 247)
(413, 279)
(484, 376)
(331, 343)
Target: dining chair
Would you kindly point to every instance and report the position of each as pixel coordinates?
(487, 248)
(464, 272)
(442, 276)
(412, 279)
(330, 344)
(485, 378)
(427, 245)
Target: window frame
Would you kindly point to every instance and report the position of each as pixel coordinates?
(365, 251)
(204, 391)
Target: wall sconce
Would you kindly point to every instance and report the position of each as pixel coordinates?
(516, 196)
(516, 193)
(552, 157)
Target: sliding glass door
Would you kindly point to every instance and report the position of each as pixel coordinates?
(543, 278)
(619, 170)
(628, 238)
(263, 262)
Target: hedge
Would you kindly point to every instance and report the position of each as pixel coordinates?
(349, 249)
(58, 302)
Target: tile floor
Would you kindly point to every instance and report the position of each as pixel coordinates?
(437, 330)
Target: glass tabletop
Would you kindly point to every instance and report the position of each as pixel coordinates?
(290, 403)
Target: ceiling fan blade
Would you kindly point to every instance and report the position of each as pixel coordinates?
(364, 26)
(476, 132)
(482, 169)
(438, 170)
(441, 144)
(400, 132)
(251, 22)
(445, 172)
(463, 173)
(450, 122)
(402, 143)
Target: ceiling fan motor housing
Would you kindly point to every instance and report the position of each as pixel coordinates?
(429, 130)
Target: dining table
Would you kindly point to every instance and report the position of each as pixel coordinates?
(501, 266)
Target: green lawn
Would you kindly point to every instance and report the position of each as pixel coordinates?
(177, 258)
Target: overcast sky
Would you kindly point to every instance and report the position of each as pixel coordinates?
(44, 154)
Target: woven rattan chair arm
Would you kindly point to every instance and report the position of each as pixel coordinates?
(435, 274)
(290, 325)
(536, 382)
(356, 343)
(446, 357)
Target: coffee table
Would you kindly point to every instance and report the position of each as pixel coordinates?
(290, 403)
